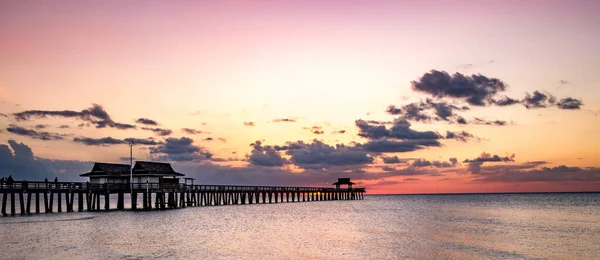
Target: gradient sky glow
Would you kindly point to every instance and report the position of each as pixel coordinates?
(213, 65)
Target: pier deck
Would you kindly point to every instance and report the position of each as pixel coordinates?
(166, 195)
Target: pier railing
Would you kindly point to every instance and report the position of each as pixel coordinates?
(166, 195)
(126, 187)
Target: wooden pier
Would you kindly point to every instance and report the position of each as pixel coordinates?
(154, 196)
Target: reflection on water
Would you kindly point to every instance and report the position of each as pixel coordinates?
(379, 227)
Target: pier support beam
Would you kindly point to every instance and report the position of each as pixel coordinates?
(120, 201)
(4, 198)
(12, 203)
(21, 203)
(37, 202)
(107, 201)
(28, 209)
(80, 201)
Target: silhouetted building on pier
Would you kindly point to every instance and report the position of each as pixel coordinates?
(151, 172)
(155, 172)
(343, 181)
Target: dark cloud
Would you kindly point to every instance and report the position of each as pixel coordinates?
(477, 90)
(193, 131)
(314, 155)
(415, 111)
(249, 123)
(392, 160)
(103, 124)
(3, 115)
(538, 100)
(279, 120)
(375, 122)
(104, 141)
(63, 126)
(442, 109)
(141, 141)
(541, 100)
(318, 155)
(569, 103)
(475, 164)
(40, 126)
(453, 160)
(505, 101)
(94, 115)
(159, 131)
(461, 136)
(371, 131)
(425, 111)
(393, 110)
(180, 149)
(535, 163)
(398, 138)
(480, 121)
(146, 121)
(486, 157)
(393, 146)
(318, 130)
(523, 174)
(208, 139)
(265, 155)
(339, 132)
(46, 136)
(435, 163)
(388, 168)
(461, 120)
(21, 163)
(399, 130)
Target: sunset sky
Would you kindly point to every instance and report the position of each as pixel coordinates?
(401, 96)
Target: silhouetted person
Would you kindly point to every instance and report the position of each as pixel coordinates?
(1, 182)
(46, 181)
(56, 182)
(10, 181)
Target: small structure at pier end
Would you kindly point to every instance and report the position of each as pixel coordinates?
(343, 181)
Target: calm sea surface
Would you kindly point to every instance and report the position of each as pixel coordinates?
(511, 226)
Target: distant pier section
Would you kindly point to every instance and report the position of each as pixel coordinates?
(158, 187)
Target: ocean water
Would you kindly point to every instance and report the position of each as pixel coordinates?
(493, 226)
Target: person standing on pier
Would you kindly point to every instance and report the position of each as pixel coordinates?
(56, 182)
(46, 181)
(10, 181)
(1, 182)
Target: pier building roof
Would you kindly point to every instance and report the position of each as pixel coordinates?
(141, 168)
(107, 169)
(342, 181)
(154, 168)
